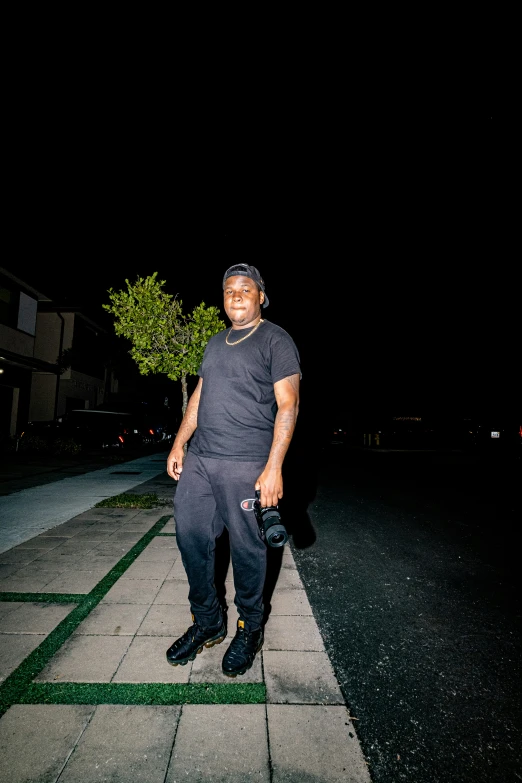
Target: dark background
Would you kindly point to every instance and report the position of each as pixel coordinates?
(387, 246)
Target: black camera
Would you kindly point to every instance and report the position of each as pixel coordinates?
(269, 520)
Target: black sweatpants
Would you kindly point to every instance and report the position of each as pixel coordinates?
(210, 496)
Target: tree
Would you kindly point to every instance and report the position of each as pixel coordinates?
(163, 338)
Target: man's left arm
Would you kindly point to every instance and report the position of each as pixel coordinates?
(270, 482)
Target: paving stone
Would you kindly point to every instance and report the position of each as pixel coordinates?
(173, 591)
(52, 558)
(287, 632)
(113, 620)
(146, 661)
(128, 744)
(170, 620)
(170, 527)
(163, 542)
(16, 555)
(122, 536)
(30, 755)
(220, 743)
(133, 591)
(14, 648)
(207, 666)
(66, 530)
(74, 582)
(93, 534)
(93, 515)
(44, 543)
(34, 618)
(160, 553)
(113, 548)
(85, 659)
(148, 517)
(178, 571)
(300, 678)
(34, 568)
(103, 526)
(159, 511)
(32, 583)
(288, 601)
(148, 569)
(6, 607)
(233, 617)
(105, 553)
(95, 560)
(314, 743)
(125, 515)
(138, 527)
(9, 570)
(289, 578)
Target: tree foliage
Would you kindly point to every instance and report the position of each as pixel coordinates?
(163, 338)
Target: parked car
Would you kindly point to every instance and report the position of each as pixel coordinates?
(102, 429)
(92, 429)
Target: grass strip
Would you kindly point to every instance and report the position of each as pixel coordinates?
(51, 598)
(15, 684)
(157, 693)
(132, 500)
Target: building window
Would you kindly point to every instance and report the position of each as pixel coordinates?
(27, 314)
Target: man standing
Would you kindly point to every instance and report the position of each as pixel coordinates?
(240, 421)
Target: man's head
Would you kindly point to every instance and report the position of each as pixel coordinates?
(243, 295)
(246, 270)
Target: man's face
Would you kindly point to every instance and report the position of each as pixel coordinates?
(242, 300)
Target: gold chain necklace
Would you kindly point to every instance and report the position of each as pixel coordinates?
(246, 335)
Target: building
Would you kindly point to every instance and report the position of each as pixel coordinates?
(18, 315)
(52, 358)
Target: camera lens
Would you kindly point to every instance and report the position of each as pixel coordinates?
(276, 535)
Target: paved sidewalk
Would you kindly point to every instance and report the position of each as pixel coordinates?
(25, 513)
(92, 605)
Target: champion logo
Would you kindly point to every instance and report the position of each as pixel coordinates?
(248, 504)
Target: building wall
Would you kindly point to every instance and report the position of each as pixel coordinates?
(85, 391)
(43, 393)
(48, 330)
(15, 388)
(16, 341)
(15, 382)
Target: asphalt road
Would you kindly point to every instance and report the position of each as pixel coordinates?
(411, 565)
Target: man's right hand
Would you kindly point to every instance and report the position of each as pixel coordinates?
(175, 462)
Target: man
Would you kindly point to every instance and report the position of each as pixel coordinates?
(240, 421)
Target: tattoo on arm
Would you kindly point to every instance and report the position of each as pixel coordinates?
(286, 418)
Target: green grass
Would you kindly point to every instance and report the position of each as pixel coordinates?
(143, 693)
(130, 500)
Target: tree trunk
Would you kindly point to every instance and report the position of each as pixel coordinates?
(184, 389)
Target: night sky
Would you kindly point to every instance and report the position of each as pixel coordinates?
(390, 260)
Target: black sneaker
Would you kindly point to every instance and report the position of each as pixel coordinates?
(192, 642)
(243, 649)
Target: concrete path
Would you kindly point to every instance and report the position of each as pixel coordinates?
(32, 511)
(86, 693)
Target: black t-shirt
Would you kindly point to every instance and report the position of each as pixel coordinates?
(237, 407)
